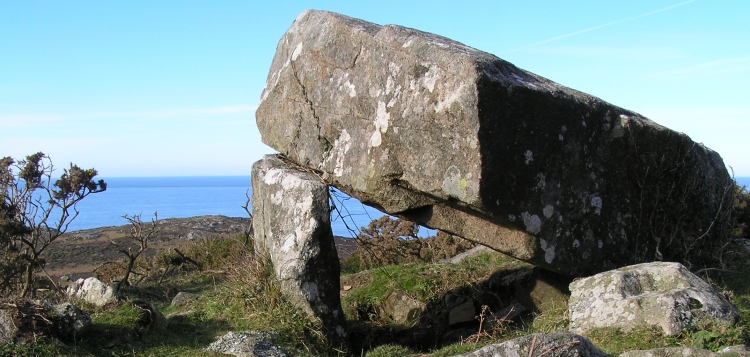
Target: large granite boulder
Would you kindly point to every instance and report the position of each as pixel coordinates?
(663, 294)
(292, 226)
(457, 139)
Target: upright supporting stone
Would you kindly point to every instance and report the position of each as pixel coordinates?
(292, 226)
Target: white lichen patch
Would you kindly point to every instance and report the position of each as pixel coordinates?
(430, 78)
(532, 222)
(596, 202)
(340, 147)
(449, 99)
(394, 67)
(541, 181)
(548, 211)
(473, 143)
(529, 156)
(549, 251)
(381, 124)
(389, 85)
(349, 87)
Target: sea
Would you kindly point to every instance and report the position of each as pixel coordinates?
(181, 197)
(186, 196)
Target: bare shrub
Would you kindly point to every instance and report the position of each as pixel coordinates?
(388, 241)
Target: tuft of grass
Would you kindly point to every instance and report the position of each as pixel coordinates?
(390, 351)
(614, 341)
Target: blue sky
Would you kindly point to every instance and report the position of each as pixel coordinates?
(169, 88)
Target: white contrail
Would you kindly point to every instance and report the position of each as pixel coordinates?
(600, 26)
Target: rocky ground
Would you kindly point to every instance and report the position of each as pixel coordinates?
(78, 253)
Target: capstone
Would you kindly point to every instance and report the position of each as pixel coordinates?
(460, 140)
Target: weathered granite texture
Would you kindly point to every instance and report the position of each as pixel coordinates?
(559, 344)
(663, 294)
(292, 226)
(459, 140)
(734, 351)
(92, 291)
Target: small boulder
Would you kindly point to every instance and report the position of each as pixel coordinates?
(183, 298)
(182, 316)
(402, 308)
(70, 322)
(150, 316)
(559, 344)
(247, 344)
(93, 291)
(661, 293)
(461, 313)
(473, 252)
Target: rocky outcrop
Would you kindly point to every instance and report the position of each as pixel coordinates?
(292, 228)
(738, 351)
(93, 291)
(403, 309)
(663, 294)
(183, 298)
(23, 320)
(459, 140)
(247, 344)
(560, 344)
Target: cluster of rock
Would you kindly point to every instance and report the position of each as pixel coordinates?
(459, 140)
(25, 320)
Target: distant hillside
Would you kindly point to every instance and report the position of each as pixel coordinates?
(78, 253)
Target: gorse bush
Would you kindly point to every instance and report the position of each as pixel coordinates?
(34, 213)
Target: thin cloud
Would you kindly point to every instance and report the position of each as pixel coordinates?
(722, 66)
(599, 27)
(632, 53)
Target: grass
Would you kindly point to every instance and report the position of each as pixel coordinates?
(238, 292)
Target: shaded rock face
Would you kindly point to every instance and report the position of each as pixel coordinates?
(560, 344)
(663, 294)
(292, 227)
(459, 140)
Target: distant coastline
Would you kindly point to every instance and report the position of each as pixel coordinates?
(193, 196)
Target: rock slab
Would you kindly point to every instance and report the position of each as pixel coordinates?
(459, 140)
(247, 344)
(292, 228)
(93, 291)
(660, 293)
(559, 344)
(735, 351)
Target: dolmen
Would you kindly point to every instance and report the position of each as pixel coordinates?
(459, 140)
